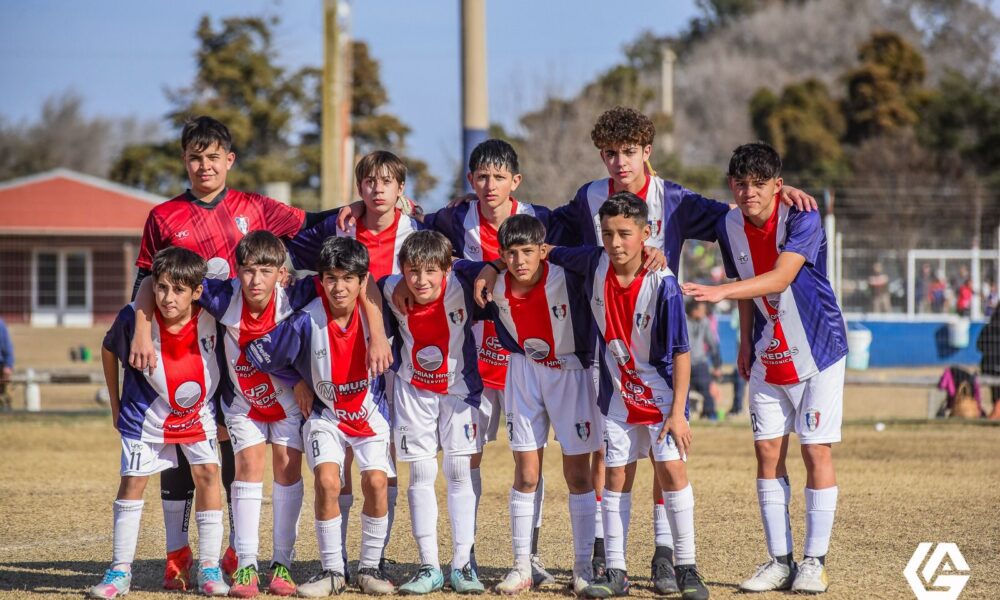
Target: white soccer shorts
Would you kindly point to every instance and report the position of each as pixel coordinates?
(426, 421)
(490, 411)
(245, 432)
(140, 459)
(625, 443)
(539, 396)
(813, 409)
(326, 443)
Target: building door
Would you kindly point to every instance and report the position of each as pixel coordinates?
(62, 288)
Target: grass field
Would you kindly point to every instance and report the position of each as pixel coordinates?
(909, 484)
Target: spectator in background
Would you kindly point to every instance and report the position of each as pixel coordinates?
(990, 299)
(878, 283)
(6, 364)
(922, 288)
(988, 344)
(706, 362)
(939, 292)
(739, 384)
(963, 292)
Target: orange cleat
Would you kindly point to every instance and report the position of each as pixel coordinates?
(177, 575)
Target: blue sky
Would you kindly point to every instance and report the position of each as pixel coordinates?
(120, 55)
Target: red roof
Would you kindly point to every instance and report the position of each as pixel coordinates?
(65, 202)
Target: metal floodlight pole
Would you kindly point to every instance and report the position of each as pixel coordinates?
(335, 124)
(475, 101)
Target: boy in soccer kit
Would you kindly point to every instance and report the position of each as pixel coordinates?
(436, 401)
(163, 414)
(793, 350)
(643, 386)
(208, 219)
(321, 343)
(543, 318)
(382, 228)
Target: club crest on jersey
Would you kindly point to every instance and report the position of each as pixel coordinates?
(208, 343)
(457, 316)
(559, 312)
(812, 419)
(641, 320)
(243, 224)
(470, 431)
(743, 258)
(583, 430)
(657, 226)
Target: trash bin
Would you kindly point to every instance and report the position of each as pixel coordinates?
(859, 340)
(958, 332)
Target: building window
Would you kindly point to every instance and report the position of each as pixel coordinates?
(62, 287)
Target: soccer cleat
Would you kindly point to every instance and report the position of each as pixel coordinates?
(691, 583)
(811, 578)
(177, 574)
(597, 563)
(539, 576)
(770, 576)
(323, 584)
(281, 583)
(386, 566)
(347, 568)
(246, 583)
(428, 579)
(516, 581)
(114, 584)
(611, 584)
(662, 574)
(581, 578)
(466, 580)
(210, 582)
(373, 581)
(230, 562)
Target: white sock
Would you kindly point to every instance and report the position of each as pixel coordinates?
(820, 508)
(373, 531)
(462, 508)
(345, 501)
(393, 492)
(680, 511)
(616, 508)
(522, 510)
(128, 514)
(598, 517)
(581, 516)
(209, 536)
(661, 526)
(774, 496)
(424, 508)
(287, 505)
(176, 514)
(247, 498)
(328, 539)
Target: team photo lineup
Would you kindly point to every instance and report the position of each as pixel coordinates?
(489, 321)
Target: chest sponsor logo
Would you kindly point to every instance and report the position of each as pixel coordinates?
(187, 394)
(429, 358)
(536, 348)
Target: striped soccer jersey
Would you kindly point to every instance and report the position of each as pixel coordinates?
(331, 359)
(640, 328)
(433, 345)
(800, 331)
(261, 396)
(475, 239)
(170, 405)
(383, 248)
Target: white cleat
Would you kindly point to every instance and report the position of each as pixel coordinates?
(516, 581)
(539, 576)
(770, 576)
(811, 578)
(583, 574)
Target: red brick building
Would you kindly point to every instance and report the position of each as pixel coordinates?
(68, 244)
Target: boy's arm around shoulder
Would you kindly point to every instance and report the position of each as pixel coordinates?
(379, 358)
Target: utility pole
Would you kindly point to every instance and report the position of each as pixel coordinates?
(335, 107)
(667, 60)
(475, 101)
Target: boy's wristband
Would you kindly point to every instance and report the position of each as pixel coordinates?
(495, 268)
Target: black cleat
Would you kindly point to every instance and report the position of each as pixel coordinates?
(597, 563)
(386, 567)
(662, 571)
(691, 583)
(612, 584)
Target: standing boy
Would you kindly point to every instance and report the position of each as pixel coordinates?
(163, 414)
(436, 402)
(322, 342)
(643, 386)
(793, 349)
(542, 316)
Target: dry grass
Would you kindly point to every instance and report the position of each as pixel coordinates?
(909, 484)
